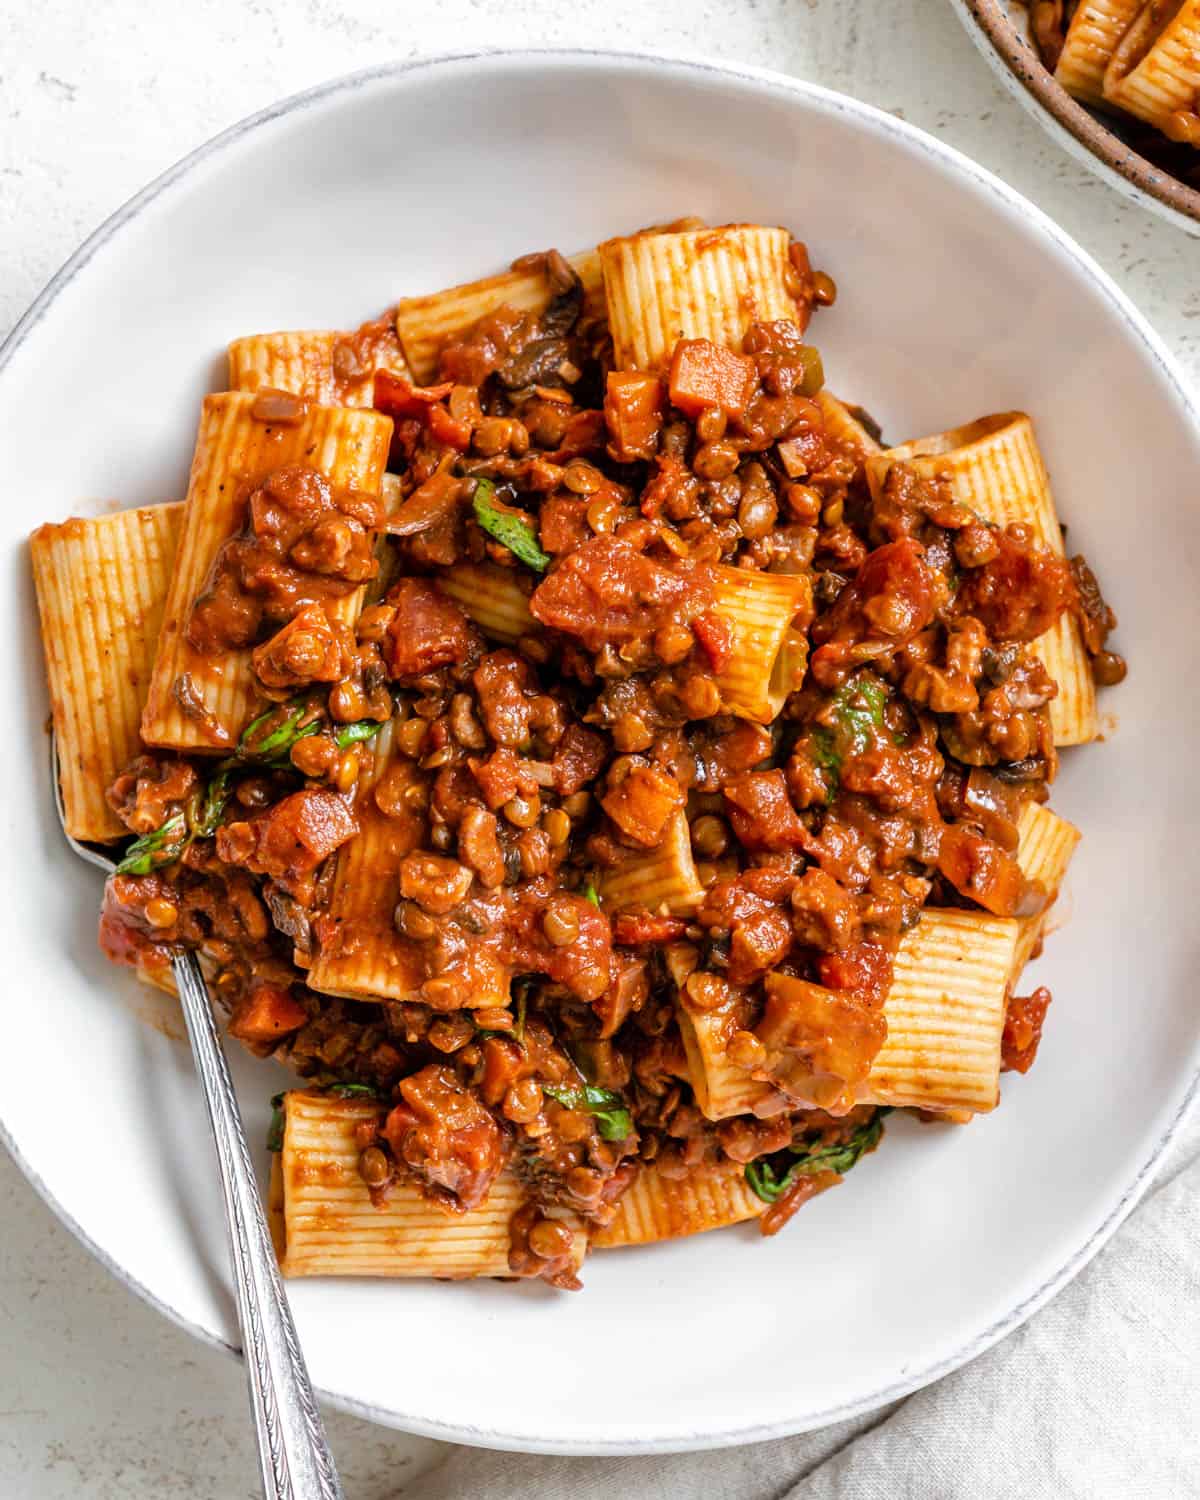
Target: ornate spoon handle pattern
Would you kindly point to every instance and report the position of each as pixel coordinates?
(293, 1451)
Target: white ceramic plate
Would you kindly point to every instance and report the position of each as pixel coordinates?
(957, 298)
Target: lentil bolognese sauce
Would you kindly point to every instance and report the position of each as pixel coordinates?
(633, 770)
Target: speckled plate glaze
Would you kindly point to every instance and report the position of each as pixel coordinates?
(999, 28)
(957, 298)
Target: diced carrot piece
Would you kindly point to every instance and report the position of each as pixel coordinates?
(704, 375)
(633, 411)
(267, 1013)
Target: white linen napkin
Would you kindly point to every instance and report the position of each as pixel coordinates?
(1097, 1396)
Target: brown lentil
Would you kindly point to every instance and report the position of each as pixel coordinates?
(560, 923)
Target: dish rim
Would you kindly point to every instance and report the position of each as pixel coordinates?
(1088, 139)
(945, 158)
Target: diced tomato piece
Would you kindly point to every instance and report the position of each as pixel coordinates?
(1023, 1022)
(398, 397)
(583, 434)
(761, 811)
(268, 1012)
(633, 411)
(715, 636)
(704, 375)
(578, 759)
(865, 968)
(633, 927)
(427, 631)
(562, 524)
(980, 869)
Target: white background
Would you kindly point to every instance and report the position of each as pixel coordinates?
(99, 1396)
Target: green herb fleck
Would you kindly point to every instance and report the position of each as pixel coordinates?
(278, 1120)
(155, 849)
(613, 1120)
(856, 711)
(212, 805)
(590, 893)
(277, 745)
(354, 734)
(522, 1014)
(771, 1177)
(204, 813)
(509, 528)
(353, 1091)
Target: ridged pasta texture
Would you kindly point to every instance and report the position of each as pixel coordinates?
(945, 1014)
(361, 954)
(842, 425)
(720, 1087)
(425, 325)
(995, 467)
(1096, 28)
(302, 362)
(1045, 845)
(325, 1223)
(656, 1207)
(102, 588)
(233, 451)
(662, 879)
(1155, 70)
(492, 597)
(768, 655)
(698, 284)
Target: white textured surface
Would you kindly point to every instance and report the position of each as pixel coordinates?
(99, 1396)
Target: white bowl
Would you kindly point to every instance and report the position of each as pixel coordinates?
(957, 298)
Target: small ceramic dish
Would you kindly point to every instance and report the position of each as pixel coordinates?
(1129, 155)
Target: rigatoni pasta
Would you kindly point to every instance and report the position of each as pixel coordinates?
(1154, 72)
(1044, 851)
(1093, 36)
(845, 427)
(493, 598)
(945, 1014)
(660, 879)
(299, 362)
(766, 614)
(1137, 57)
(200, 701)
(721, 1088)
(610, 778)
(693, 284)
(660, 1207)
(427, 324)
(102, 587)
(360, 953)
(328, 1224)
(995, 467)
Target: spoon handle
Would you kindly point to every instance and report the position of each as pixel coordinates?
(293, 1452)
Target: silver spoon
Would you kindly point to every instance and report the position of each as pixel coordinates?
(292, 1448)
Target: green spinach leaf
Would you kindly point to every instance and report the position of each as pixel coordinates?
(771, 1176)
(513, 531)
(155, 849)
(613, 1119)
